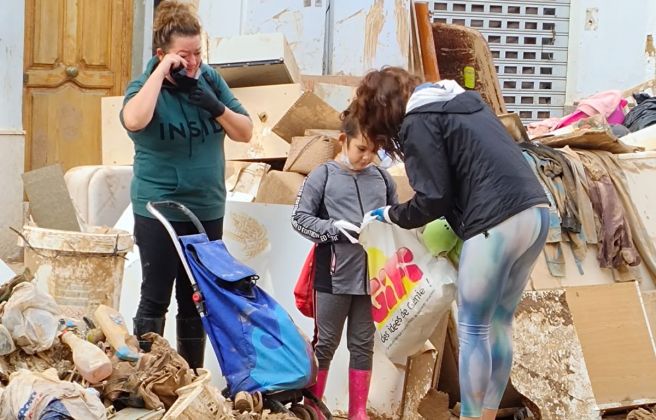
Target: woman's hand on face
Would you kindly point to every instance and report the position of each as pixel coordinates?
(169, 62)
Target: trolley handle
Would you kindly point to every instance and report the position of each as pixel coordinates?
(152, 207)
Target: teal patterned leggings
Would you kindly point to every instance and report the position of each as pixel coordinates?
(494, 270)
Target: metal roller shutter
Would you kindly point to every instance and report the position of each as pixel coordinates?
(528, 41)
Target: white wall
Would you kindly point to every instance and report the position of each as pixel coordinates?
(607, 46)
(12, 139)
(366, 33)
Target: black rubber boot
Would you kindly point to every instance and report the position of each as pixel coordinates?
(145, 325)
(191, 341)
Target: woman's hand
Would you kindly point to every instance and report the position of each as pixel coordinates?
(207, 100)
(170, 62)
(139, 110)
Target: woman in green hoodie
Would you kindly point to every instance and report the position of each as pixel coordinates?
(177, 113)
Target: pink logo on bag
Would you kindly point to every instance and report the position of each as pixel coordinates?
(394, 282)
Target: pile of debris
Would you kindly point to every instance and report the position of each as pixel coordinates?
(54, 366)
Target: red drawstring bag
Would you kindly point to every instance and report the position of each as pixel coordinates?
(304, 289)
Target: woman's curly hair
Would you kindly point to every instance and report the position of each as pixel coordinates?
(174, 18)
(379, 105)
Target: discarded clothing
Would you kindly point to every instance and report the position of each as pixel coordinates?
(616, 248)
(586, 213)
(643, 115)
(609, 103)
(641, 239)
(556, 168)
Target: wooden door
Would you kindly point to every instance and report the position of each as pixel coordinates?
(76, 51)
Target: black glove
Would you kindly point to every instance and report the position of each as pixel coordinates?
(183, 82)
(208, 101)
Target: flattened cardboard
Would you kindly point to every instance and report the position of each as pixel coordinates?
(594, 138)
(619, 352)
(309, 111)
(514, 126)
(50, 203)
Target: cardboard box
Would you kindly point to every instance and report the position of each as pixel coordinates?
(267, 105)
(309, 111)
(274, 109)
(279, 187)
(254, 60)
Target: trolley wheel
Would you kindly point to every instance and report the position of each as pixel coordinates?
(243, 402)
(301, 412)
(258, 401)
(276, 406)
(315, 413)
(320, 406)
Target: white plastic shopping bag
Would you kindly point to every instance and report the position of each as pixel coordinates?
(410, 288)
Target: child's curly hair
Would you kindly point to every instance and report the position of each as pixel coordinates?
(379, 105)
(174, 18)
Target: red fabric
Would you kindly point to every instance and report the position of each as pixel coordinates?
(304, 289)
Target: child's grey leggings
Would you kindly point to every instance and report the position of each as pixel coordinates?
(494, 270)
(332, 312)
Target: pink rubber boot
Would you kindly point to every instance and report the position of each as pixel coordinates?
(318, 389)
(359, 381)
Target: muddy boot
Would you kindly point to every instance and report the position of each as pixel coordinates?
(191, 341)
(142, 326)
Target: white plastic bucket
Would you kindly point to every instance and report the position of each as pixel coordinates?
(82, 269)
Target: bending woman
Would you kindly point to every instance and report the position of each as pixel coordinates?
(463, 165)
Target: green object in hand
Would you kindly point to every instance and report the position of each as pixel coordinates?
(439, 238)
(454, 254)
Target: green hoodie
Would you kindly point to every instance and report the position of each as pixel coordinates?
(179, 155)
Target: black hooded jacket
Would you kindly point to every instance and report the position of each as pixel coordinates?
(463, 165)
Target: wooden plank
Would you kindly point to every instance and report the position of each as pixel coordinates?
(618, 349)
(426, 42)
(50, 203)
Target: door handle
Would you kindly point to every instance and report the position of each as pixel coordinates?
(72, 71)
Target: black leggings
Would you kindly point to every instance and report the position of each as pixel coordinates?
(161, 266)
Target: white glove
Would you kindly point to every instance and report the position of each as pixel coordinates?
(346, 227)
(380, 214)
